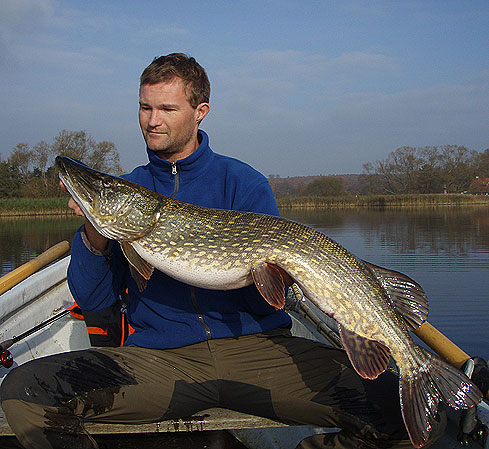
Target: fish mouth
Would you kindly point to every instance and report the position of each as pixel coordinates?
(77, 185)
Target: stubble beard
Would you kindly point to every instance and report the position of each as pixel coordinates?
(170, 148)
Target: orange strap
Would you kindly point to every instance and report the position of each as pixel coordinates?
(96, 330)
(75, 311)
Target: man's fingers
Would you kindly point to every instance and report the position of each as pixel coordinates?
(74, 206)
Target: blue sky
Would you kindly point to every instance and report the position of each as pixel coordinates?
(298, 87)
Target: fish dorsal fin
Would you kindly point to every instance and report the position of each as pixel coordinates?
(270, 283)
(407, 296)
(369, 357)
(140, 270)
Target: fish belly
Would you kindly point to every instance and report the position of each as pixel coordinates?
(210, 275)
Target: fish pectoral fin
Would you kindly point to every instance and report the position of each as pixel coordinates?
(141, 270)
(270, 283)
(140, 281)
(369, 357)
(406, 295)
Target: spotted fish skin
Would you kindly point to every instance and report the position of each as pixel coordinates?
(221, 249)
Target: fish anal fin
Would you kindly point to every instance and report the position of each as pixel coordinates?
(369, 357)
(269, 280)
(420, 394)
(141, 270)
(407, 297)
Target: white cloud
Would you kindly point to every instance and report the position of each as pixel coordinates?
(16, 13)
(21, 20)
(362, 61)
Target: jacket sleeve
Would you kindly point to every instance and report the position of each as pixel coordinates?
(95, 279)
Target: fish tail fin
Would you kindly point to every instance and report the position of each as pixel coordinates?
(431, 382)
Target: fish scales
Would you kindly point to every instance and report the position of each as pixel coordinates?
(220, 249)
(185, 244)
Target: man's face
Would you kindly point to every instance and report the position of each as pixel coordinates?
(168, 121)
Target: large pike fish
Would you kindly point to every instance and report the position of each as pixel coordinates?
(221, 249)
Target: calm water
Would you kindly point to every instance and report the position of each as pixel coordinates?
(22, 238)
(446, 250)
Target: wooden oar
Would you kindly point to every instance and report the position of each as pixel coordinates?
(446, 349)
(442, 345)
(24, 271)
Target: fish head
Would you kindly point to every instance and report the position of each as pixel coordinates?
(118, 209)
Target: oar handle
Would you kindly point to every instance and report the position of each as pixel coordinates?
(24, 271)
(444, 347)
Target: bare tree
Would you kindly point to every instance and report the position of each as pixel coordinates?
(21, 159)
(35, 174)
(459, 167)
(74, 144)
(105, 157)
(79, 145)
(41, 156)
(429, 169)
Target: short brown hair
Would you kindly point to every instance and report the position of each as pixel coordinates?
(179, 65)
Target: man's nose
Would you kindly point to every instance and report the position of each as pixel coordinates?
(154, 119)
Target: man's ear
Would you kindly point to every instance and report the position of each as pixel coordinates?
(201, 111)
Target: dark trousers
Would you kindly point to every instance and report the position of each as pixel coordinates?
(273, 375)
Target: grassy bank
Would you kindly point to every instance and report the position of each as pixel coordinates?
(59, 206)
(34, 206)
(381, 201)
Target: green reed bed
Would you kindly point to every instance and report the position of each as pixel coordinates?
(34, 206)
(59, 206)
(376, 201)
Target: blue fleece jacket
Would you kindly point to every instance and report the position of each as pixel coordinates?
(169, 313)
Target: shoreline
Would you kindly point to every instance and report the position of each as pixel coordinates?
(25, 207)
(385, 201)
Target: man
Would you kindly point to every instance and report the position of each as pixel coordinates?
(191, 348)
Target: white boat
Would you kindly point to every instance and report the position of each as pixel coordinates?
(45, 295)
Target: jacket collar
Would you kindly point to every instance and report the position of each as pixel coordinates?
(189, 167)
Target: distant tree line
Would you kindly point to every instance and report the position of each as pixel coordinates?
(431, 169)
(302, 186)
(30, 171)
(446, 169)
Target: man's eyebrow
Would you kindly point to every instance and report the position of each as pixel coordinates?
(161, 106)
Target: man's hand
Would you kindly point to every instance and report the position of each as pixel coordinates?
(98, 241)
(72, 204)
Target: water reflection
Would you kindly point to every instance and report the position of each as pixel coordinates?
(22, 238)
(435, 230)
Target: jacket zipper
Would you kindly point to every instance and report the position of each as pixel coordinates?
(208, 334)
(174, 172)
(207, 330)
